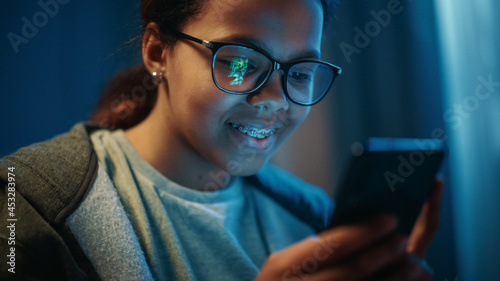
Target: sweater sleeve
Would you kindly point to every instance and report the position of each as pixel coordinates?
(46, 183)
(31, 249)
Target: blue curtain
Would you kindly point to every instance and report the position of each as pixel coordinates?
(429, 69)
(391, 87)
(470, 56)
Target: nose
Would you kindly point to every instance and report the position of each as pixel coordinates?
(271, 96)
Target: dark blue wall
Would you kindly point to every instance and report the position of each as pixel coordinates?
(52, 75)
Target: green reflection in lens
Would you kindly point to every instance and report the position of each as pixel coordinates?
(238, 69)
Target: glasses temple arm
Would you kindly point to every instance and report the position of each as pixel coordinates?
(179, 35)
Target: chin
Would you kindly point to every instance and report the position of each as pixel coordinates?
(245, 167)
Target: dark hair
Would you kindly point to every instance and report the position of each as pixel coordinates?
(127, 99)
(169, 15)
(174, 14)
(117, 107)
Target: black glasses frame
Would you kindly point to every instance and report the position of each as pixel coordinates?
(216, 46)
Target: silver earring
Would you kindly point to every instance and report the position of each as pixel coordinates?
(157, 77)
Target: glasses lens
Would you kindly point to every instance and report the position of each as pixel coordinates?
(308, 82)
(240, 69)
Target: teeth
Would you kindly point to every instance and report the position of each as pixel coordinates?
(253, 132)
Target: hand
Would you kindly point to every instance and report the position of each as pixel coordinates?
(348, 253)
(421, 236)
(342, 253)
(427, 223)
(413, 266)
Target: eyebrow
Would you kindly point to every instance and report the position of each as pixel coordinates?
(262, 47)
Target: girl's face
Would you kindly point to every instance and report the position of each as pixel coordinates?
(202, 117)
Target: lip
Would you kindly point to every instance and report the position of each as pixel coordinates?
(249, 141)
(274, 124)
(257, 125)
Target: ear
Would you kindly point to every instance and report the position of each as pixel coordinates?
(153, 49)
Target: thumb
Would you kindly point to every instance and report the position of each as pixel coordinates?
(427, 222)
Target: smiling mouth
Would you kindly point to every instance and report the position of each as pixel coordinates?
(253, 132)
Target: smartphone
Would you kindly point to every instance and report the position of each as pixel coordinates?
(387, 175)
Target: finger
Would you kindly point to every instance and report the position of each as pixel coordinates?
(330, 247)
(351, 238)
(368, 262)
(427, 222)
(409, 270)
(340, 242)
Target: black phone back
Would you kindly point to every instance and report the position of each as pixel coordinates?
(388, 175)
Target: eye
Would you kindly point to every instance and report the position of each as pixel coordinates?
(236, 68)
(237, 64)
(301, 76)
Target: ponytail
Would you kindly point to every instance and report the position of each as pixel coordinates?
(128, 99)
(130, 96)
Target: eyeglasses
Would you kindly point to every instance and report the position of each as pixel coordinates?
(239, 69)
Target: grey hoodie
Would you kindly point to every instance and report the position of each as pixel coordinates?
(48, 182)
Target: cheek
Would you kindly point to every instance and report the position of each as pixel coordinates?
(202, 114)
(206, 113)
(190, 72)
(194, 97)
(297, 115)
